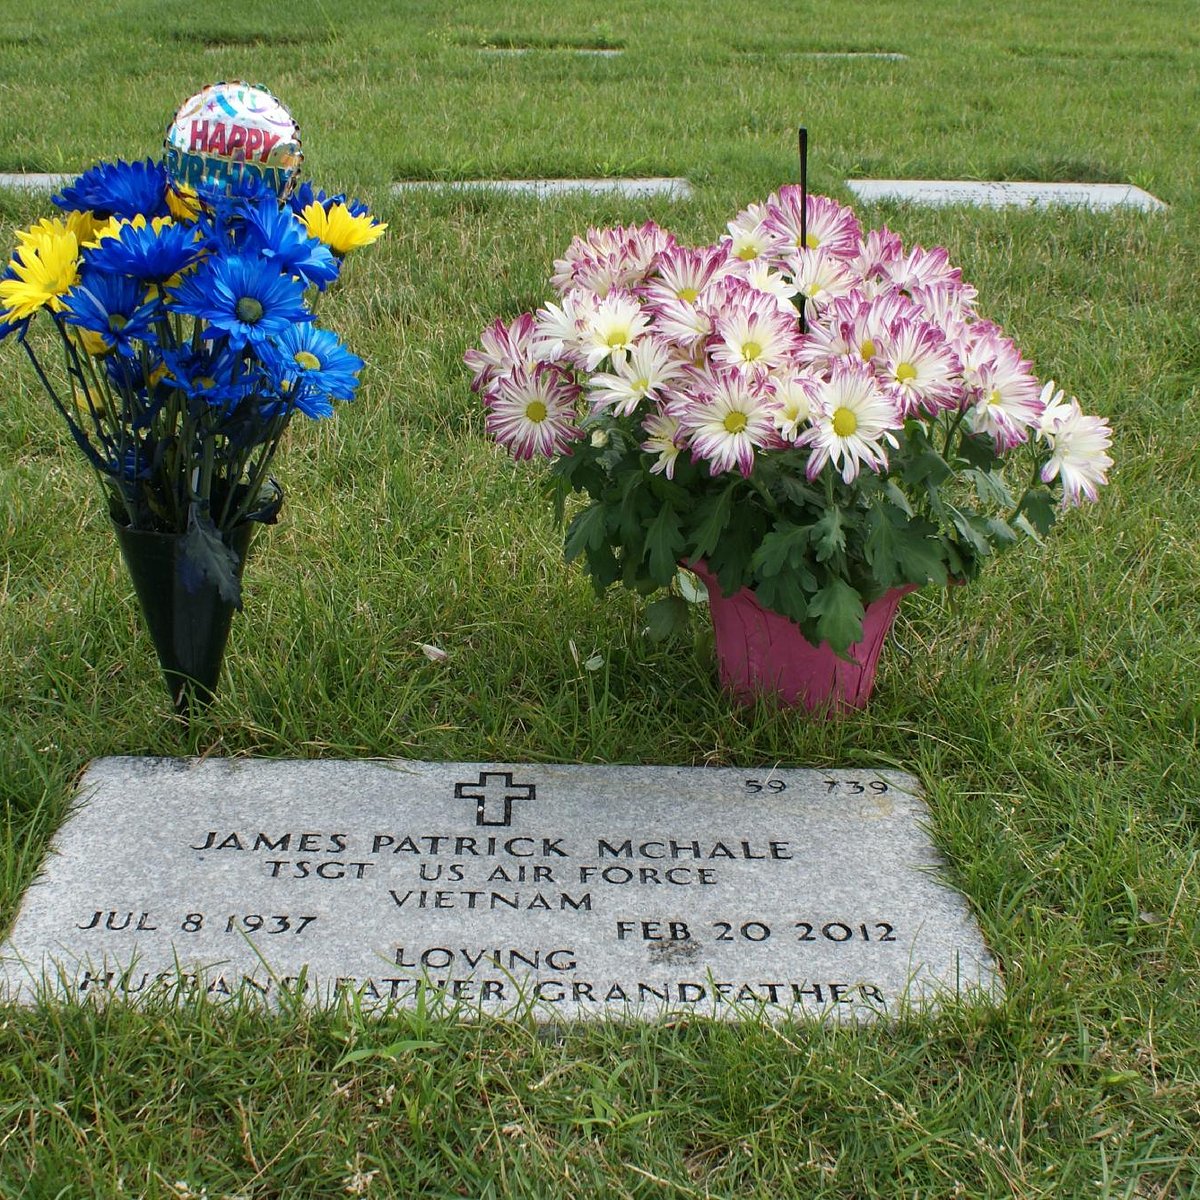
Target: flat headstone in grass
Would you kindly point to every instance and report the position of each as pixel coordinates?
(940, 193)
(887, 55)
(594, 51)
(569, 891)
(34, 181)
(672, 188)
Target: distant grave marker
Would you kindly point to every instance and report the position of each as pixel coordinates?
(939, 193)
(34, 181)
(576, 891)
(596, 51)
(887, 55)
(672, 189)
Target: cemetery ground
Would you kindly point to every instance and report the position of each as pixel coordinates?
(1049, 709)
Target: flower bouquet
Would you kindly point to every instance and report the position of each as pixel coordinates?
(811, 417)
(177, 340)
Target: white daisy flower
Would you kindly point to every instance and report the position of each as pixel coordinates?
(1007, 401)
(819, 276)
(762, 277)
(919, 369)
(641, 374)
(534, 411)
(681, 275)
(664, 440)
(612, 328)
(727, 420)
(749, 236)
(1079, 445)
(851, 419)
(828, 225)
(750, 331)
(795, 395)
(558, 328)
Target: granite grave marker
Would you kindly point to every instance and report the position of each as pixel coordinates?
(571, 890)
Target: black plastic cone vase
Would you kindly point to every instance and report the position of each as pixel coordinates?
(189, 628)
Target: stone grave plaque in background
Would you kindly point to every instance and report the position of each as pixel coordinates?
(575, 891)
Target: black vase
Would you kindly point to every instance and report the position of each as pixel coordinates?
(189, 627)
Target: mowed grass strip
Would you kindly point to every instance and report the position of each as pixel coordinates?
(1050, 709)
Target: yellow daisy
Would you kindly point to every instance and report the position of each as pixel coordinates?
(183, 202)
(339, 229)
(45, 267)
(87, 228)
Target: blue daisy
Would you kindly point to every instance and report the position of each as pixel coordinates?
(149, 255)
(215, 378)
(277, 234)
(246, 299)
(314, 360)
(115, 308)
(119, 189)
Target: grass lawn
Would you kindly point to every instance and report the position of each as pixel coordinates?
(1050, 709)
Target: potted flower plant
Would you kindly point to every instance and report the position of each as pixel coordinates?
(811, 417)
(177, 340)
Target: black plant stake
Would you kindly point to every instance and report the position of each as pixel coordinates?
(803, 213)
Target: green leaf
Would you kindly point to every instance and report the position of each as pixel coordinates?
(782, 550)
(712, 515)
(979, 450)
(1002, 533)
(839, 612)
(664, 542)
(206, 557)
(898, 498)
(783, 593)
(586, 531)
(990, 488)
(920, 555)
(1038, 507)
(666, 617)
(799, 492)
(880, 547)
(829, 535)
(972, 529)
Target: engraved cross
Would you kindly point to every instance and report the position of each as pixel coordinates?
(494, 794)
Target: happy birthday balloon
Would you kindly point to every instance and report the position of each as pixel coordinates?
(229, 133)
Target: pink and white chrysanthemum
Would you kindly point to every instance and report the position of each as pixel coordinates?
(726, 418)
(612, 328)
(501, 348)
(949, 308)
(643, 373)
(918, 368)
(764, 278)
(853, 326)
(750, 331)
(558, 332)
(878, 257)
(1079, 447)
(681, 275)
(1007, 399)
(684, 326)
(664, 439)
(819, 276)
(620, 257)
(796, 397)
(851, 420)
(750, 238)
(927, 268)
(829, 226)
(533, 411)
